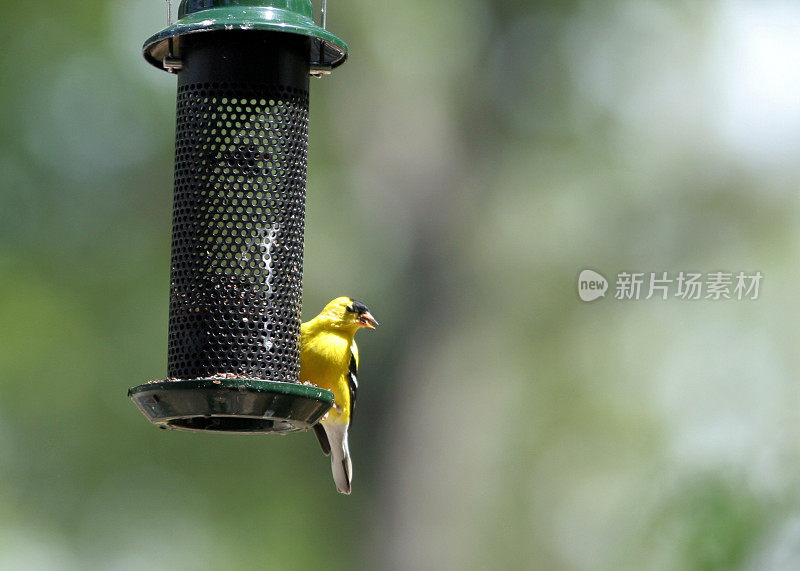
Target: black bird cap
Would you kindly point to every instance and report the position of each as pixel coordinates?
(358, 307)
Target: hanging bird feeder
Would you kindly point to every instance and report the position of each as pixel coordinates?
(241, 144)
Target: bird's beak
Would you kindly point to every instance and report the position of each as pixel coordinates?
(367, 320)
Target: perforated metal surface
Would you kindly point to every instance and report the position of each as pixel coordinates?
(238, 220)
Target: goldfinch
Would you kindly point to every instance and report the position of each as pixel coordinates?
(329, 359)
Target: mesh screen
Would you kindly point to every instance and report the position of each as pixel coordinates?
(237, 243)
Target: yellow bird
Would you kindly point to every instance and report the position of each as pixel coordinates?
(329, 359)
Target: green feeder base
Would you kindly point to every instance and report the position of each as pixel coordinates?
(239, 406)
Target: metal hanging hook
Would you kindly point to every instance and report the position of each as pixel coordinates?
(321, 70)
(171, 63)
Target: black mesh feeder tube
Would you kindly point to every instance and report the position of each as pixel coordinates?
(238, 216)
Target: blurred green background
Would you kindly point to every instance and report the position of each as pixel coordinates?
(481, 153)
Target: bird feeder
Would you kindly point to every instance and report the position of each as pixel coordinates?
(241, 144)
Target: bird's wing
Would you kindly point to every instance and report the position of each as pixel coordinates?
(352, 380)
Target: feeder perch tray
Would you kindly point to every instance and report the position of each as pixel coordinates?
(243, 406)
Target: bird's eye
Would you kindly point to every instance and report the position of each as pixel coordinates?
(350, 308)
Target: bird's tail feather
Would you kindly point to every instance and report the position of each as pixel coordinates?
(341, 465)
(323, 439)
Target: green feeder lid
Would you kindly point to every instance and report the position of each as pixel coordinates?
(244, 406)
(289, 16)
